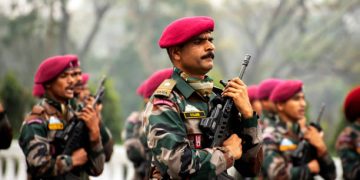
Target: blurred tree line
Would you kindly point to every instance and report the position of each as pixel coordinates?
(312, 41)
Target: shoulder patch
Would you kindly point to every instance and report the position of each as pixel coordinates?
(165, 88)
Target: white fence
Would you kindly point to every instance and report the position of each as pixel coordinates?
(13, 165)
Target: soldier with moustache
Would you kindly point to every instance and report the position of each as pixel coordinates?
(54, 84)
(174, 112)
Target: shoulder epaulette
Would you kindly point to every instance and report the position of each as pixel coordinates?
(36, 115)
(165, 88)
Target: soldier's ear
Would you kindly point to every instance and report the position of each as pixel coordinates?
(175, 54)
(279, 106)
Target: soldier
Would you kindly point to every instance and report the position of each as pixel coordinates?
(81, 96)
(54, 83)
(135, 140)
(254, 100)
(282, 140)
(348, 142)
(5, 129)
(268, 115)
(173, 114)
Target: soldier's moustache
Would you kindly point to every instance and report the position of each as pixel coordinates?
(208, 55)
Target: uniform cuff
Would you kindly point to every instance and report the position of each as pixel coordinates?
(229, 158)
(326, 159)
(251, 122)
(96, 149)
(66, 163)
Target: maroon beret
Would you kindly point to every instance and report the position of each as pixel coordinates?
(183, 29)
(84, 78)
(147, 88)
(352, 104)
(285, 90)
(51, 68)
(266, 87)
(252, 92)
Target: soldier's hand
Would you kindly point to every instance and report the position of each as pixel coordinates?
(314, 166)
(92, 121)
(79, 157)
(233, 144)
(236, 89)
(314, 137)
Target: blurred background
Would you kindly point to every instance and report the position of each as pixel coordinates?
(316, 41)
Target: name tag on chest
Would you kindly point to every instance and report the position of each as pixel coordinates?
(194, 115)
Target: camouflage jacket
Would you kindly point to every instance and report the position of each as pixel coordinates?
(348, 148)
(43, 157)
(136, 147)
(171, 123)
(280, 143)
(268, 119)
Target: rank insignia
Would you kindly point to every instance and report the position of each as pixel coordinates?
(165, 88)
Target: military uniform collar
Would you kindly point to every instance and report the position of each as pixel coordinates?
(284, 127)
(184, 87)
(269, 115)
(62, 108)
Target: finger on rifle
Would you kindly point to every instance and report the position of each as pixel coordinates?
(237, 80)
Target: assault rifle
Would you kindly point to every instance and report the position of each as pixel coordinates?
(305, 152)
(75, 134)
(216, 126)
(219, 126)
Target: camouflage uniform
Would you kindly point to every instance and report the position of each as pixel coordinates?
(348, 148)
(136, 147)
(280, 143)
(177, 144)
(43, 155)
(268, 119)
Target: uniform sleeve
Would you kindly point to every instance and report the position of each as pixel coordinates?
(96, 158)
(107, 141)
(170, 147)
(36, 148)
(276, 166)
(327, 167)
(249, 164)
(135, 149)
(350, 159)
